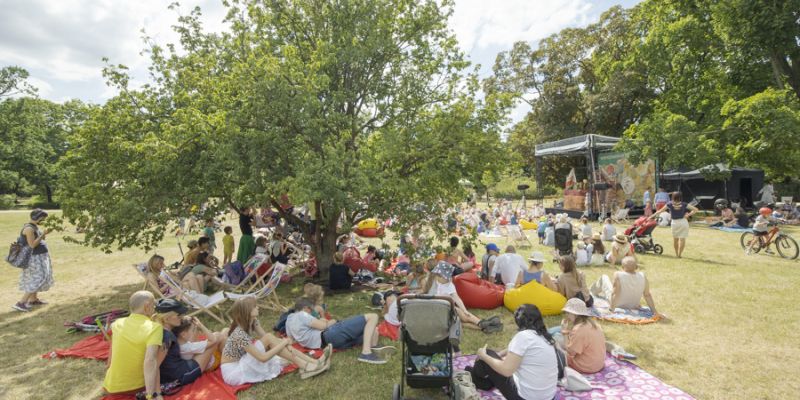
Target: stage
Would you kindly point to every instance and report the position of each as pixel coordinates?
(633, 213)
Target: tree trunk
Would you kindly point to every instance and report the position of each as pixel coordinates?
(49, 191)
(324, 249)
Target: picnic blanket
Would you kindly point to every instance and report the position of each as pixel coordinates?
(731, 229)
(641, 316)
(618, 380)
(209, 386)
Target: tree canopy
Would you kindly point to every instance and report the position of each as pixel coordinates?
(361, 108)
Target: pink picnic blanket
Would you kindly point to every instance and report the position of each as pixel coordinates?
(619, 380)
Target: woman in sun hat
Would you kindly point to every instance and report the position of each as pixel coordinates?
(38, 275)
(584, 341)
(534, 272)
(620, 249)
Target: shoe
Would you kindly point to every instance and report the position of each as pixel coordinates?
(495, 319)
(384, 352)
(21, 307)
(768, 251)
(484, 323)
(493, 328)
(37, 302)
(371, 358)
(326, 353)
(318, 369)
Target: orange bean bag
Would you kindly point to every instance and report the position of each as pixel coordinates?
(369, 232)
(478, 293)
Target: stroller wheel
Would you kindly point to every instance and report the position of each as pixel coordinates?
(639, 249)
(396, 393)
(658, 249)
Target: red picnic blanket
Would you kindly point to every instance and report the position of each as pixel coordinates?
(209, 386)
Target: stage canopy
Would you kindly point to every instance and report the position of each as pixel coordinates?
(698, 173)
(575, 146)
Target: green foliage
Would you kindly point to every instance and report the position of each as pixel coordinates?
(506, 187)
(7, 201)
(359, 108)
(12, 82)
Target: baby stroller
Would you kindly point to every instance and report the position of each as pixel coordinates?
(563, 241)
(427, 325)
(640, 235)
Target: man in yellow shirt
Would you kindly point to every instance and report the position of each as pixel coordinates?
(132, 362)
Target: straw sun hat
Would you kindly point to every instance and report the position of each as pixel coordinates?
(621, 239)
(577, 307)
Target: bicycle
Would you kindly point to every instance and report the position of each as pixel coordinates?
(785, 244)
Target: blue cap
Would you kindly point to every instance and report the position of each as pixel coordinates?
(492, 247)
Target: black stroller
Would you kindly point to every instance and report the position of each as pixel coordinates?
(427, 325)
(563, 240)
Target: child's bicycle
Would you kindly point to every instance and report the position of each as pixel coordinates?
(786, 246)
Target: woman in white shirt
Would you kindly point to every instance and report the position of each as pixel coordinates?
(528, 369)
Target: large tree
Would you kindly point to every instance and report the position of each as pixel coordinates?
(359, 108)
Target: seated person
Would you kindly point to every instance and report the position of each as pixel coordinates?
(508, 266)
(609, 231)
(205, 271)
(456, 256)
(191, 346)
(627, 288)
(341, 276)
(279, 249)
(584, 341)
(191, 256)
(316, 294)
(261, 245)
(441, 284)
(403, 265)
(572, 283)
(371, 259)
(135, 340)
(727, 218)
(620, 249)
(534, 272)
(585, 228)
(172, 366)
(583, 254)
(314, 333)
(742, 217)
(152, 273)
(598, 251)
(417, 277)
(528, 369)
(390, 326)
(246, 359)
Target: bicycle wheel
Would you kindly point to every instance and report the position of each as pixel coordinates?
(745, 239)
(787, 247)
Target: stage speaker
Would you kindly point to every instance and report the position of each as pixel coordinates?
(523, 187)
(601, 186)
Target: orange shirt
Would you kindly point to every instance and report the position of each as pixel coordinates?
(586, 348)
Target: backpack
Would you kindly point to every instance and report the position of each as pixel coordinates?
(280, 326)
(234, 272)
(563, 239)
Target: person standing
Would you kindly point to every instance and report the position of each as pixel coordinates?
(767, 194)
(208, 231)
(247, 245)
(648, 207)
(679, 211)
(38, 275)
(662, 198)
(227, 245)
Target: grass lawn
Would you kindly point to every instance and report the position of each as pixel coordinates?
(732, 333)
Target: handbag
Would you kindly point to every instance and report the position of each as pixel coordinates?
(19, 253)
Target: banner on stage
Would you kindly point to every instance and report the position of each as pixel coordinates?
(633, 179)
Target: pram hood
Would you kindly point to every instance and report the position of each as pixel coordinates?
(426, 321)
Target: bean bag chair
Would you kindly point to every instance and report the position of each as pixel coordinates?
(478, 293)
(528, 225)
(370, 223)
(548, 301)
(369, 232)
(503, 221)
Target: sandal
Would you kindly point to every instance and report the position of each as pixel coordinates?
(308, 373)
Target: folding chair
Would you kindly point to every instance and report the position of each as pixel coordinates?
(788, 200)
(621, 216)
(199, 301)
(519, 237)
(268, 291)
(253, 280)
(141, 269)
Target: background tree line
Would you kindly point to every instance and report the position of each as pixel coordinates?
(685, 82)
(33, 137)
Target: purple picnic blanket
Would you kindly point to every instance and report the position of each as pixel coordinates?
(619, 380)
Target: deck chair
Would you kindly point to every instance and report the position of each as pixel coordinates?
(621, 216)
(519, 237)
(141, 269)
(253, 280)
(268, 291)
(200, 302)
(787, 200)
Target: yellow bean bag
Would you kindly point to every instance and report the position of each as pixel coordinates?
(370, 223)
(548, 301)
(528, 225)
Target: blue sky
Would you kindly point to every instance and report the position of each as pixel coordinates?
(61, 42)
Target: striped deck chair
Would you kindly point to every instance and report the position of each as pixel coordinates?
(518, 235)
(141, 269)
(252, 281)
(200, 302)
(268, 291)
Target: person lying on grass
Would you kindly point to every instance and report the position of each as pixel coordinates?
(173, 367)
(442, 279)
(390, 326)
(135, 340)
(251, 355)
(528, 368)
(315, 333)
(626, 289)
